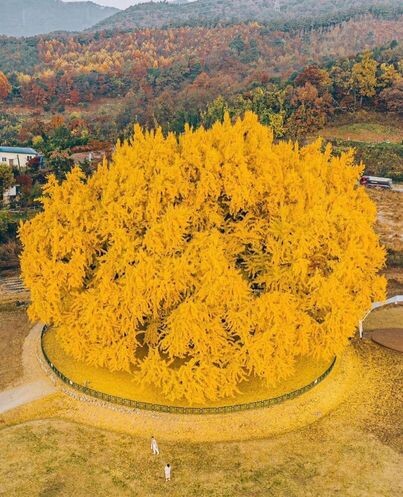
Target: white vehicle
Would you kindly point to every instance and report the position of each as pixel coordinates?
(376, 182)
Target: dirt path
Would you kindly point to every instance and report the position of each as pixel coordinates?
(14, 397)
(34, 383)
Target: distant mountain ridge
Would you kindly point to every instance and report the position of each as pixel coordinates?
(31, 17)
(161, 14)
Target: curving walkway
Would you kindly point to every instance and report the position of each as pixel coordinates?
(34, 384)
(15, 397)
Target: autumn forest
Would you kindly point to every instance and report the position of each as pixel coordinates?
(68, 95)
(201, 250)
(170, 77)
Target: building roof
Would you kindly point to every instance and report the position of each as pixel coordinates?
(18, 150)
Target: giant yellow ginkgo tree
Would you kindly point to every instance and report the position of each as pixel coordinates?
(199, 261)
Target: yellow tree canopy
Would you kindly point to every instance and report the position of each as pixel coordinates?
(198, 261)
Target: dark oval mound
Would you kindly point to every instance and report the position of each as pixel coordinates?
(392, 338)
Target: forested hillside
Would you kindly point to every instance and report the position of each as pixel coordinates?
(31, 17)
(83, 90)
(198, 63)
(64, 93)
(71, 96)
(202, 12)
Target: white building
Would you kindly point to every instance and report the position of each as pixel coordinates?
(16, 156)
(10, 195)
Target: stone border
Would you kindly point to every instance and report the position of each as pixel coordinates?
(147, 406)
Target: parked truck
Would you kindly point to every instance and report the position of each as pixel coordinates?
(376, 182)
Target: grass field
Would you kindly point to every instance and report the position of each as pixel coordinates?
(385, 317)
(389, 222)
(48, 449)
(364, 126)
(371, 132)
(14, 328)
(395, 281)
(352, 452)
(376, 138)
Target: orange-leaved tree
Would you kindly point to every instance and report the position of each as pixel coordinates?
(196, 262)
(5, 87)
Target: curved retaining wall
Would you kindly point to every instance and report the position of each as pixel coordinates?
(182, 410)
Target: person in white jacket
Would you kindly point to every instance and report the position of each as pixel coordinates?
(154, 447)
(167, 471)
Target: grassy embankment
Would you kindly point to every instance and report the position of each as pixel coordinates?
(377, 139)
(14, 328)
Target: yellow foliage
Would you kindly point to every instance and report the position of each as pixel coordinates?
(364, 75)
(196, 262)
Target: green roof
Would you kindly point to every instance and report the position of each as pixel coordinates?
(18, 150)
